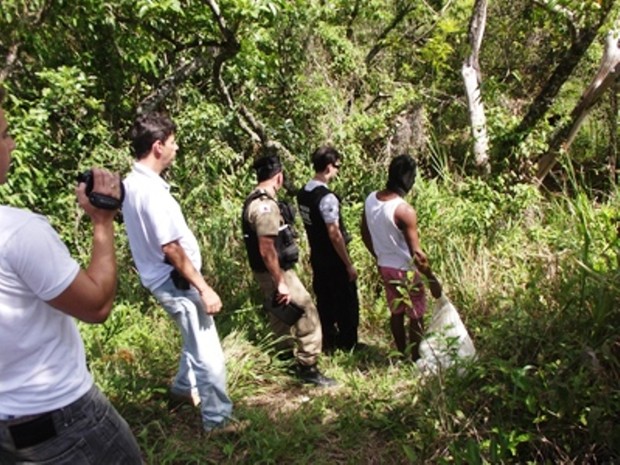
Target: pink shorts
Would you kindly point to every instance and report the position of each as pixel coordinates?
(404, 291)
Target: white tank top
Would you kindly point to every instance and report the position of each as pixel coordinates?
(387, 240)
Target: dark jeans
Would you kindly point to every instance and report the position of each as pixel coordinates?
(337, 303)
(86, 432)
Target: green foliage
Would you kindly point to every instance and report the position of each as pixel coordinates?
(64, 121)
(535, 278)
(536, 286)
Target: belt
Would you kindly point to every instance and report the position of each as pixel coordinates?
(31, 430)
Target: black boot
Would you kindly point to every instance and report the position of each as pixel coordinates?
(310, 374)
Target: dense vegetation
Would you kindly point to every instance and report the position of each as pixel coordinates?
(533, 269)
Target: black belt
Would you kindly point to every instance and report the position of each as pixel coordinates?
(32, 432)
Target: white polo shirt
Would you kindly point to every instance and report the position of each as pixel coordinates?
(153, 218)
(42, 359)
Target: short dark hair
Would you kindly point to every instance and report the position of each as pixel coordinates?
(323, 156)
(1, 94)
(267, 167)
(148, 129)
(401, 174)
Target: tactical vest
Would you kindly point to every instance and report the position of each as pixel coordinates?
(320, 245)
(286, 246)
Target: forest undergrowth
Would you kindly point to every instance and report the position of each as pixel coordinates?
(536, 280)
(534, 274)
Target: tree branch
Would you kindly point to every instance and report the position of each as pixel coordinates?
(248, 123)
(32, 21)
(168, 85)
(380, 43)
(352, 18)
(543, 101)
(606, 75)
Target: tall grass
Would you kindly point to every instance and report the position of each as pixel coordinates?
(535, 279)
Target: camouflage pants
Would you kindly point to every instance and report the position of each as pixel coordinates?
(305, 335)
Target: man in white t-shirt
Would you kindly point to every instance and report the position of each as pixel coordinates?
(390, 233)
(167, 257)
(50, 409)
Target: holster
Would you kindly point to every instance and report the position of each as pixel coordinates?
(179, 281)
(289, 313)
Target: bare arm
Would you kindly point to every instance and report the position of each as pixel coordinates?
(269, 253)
(335, 236)
(90, 296)
(366, 236)
(177, 257)
(433, 282)
(406, 219)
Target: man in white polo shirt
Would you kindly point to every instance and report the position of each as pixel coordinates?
(168, 259)
(50, 409)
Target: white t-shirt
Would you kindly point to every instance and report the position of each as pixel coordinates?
(152, 219)
(387, 240)
(329, 206)
(42, 359)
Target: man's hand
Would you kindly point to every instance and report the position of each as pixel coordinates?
(211, 301)
(283, 294)
(105, 183)
(352, 272)
(421, 262)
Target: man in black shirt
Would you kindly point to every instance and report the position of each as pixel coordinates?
(334, 276)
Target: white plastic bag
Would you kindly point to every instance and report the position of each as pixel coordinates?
(446, 339)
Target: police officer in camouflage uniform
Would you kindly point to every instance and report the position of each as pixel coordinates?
(272, 253)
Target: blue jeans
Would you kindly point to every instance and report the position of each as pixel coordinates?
(202, 367)
(88, 431)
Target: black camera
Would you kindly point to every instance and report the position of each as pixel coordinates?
(106, 202)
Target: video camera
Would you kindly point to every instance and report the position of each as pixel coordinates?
(106, 202)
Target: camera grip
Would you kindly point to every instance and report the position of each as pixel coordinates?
(98, 200)
(105, 202)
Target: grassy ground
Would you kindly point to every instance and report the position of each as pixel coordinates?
(537, 284)
(365, 419)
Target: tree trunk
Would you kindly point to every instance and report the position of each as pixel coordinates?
(9, 62)
(612, 155)
(472, 78)
(542, 102)
(606, 75)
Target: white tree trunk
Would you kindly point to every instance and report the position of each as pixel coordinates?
(607, 73)
(477, 116)
(472, 79)
(605, 76)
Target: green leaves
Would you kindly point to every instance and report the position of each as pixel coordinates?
(158, 7)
